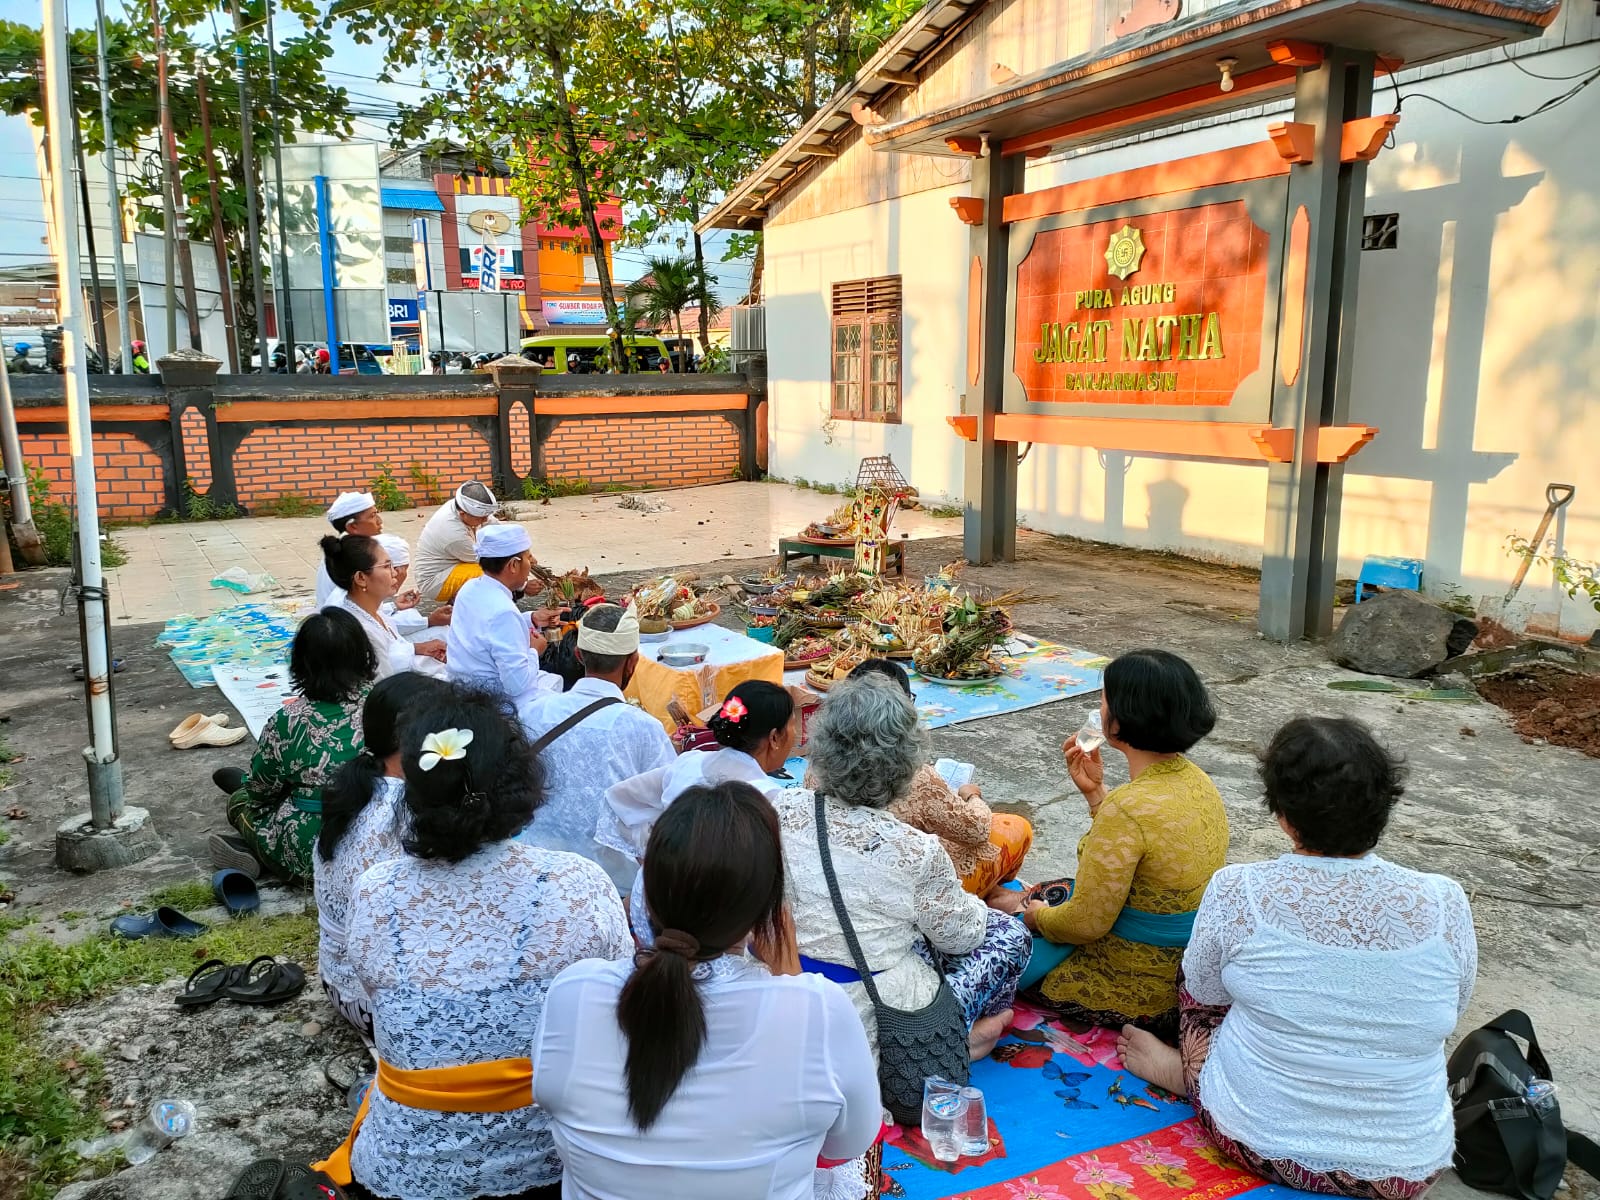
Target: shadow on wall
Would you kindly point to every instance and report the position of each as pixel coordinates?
(1503, 364)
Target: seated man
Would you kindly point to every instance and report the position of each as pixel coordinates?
(491, 644)
(590, 738)
(447, 552)
(352, 512)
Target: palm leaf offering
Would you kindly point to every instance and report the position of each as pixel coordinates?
(1387, 688)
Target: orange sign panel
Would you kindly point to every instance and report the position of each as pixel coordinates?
(1163, 309)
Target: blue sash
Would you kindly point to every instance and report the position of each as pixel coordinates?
(1133, 924)
(833, 971)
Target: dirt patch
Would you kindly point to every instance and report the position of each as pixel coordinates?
(1549, 704)
(1492, 635)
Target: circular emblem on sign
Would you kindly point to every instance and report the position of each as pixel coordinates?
(1125, 252)
(490, 222)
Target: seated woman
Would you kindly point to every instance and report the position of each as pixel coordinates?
(362, 567)
(276, 806)
(456, 944)
(897, 883)
(986, 847)
(1321, 977)
(662, 1075)
(361, 827)
(755, 727)
(1153, 845)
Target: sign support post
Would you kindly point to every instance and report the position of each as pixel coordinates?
(1312, 384)
(990, 522)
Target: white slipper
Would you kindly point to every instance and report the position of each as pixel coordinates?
(214, 735)
(188, 727)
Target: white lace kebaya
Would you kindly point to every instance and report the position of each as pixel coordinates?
(1344, 977)
(457, 958)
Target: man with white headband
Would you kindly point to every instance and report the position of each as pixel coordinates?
(447, 552)
(352, 512)
(491, 643)
(590, 739)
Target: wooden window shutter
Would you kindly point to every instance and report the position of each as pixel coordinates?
(865, 353)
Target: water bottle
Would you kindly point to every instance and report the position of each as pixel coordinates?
(168, 1120)
(1092, 735)
(974, 1124)
(943, 1116)
(1540, 1095)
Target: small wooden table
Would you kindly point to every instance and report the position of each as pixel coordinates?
(894, 553)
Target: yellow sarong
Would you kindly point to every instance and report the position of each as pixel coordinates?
(453, 581)
(500, 1085)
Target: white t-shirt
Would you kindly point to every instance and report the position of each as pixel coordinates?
(750, 1118)
(1344, 977)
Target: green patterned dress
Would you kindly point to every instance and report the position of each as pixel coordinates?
(279, 808)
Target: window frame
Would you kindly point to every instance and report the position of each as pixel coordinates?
(868, 307)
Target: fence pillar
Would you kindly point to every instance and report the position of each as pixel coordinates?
(188, 383)
(516, 379)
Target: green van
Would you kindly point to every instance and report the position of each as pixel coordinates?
(588, 353)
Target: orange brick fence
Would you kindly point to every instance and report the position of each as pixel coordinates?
(251, 440)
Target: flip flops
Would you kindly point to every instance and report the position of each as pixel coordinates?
(229, 852)
(262, 981)
(235, 891)
(197, 729)
(164, 922)
(274, 1179)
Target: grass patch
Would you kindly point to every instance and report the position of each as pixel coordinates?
(200, 507)
(10, 924)
(290, 504)
(73, 914)
(53, 520)
(549, 489)
(6, 759)
(946, 510)
(39, 1116)
(185, 897)
(426, 483)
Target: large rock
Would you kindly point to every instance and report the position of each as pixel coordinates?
(1399, 633)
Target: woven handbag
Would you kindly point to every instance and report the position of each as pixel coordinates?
(912, 1046)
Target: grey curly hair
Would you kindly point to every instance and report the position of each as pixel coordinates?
(866, 744)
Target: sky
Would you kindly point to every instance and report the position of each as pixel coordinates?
(353, 66)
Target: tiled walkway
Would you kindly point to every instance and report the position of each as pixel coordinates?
(170, 567)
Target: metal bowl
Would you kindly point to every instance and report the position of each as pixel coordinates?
(684, 654)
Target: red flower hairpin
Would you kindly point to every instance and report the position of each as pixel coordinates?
(733, 709)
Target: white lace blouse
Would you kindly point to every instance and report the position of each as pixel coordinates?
(898, 885)
(373, 837)
(457, 958)
(750, 1117)
(1344, 977)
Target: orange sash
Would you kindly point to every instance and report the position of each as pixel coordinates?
(500, 1085)
(459, 575)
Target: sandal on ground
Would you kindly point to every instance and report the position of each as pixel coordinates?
(235, 891)
(229, 852)
(164, 922)
(117, 665)
(267, 981)
(303, 1183)
(209, 983)
(258, 1181)
(344, 1071)
(193, 724)
(210, 734)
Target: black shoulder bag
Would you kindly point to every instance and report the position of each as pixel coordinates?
(912, 1046)
(577, 718)
(1507, 1142)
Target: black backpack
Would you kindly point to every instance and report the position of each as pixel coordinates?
(1507, 1142)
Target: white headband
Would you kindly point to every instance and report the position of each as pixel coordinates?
(623, 640)
(475, 508)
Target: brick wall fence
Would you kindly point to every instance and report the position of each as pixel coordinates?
(252, 440)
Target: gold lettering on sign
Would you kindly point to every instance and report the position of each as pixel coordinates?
(1199, 336)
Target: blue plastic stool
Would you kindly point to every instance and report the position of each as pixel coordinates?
(1379, 571)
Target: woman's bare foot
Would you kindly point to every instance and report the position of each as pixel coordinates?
(1151, 1059)
(986, 1033)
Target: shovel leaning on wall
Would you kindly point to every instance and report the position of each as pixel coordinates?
(1557, 496)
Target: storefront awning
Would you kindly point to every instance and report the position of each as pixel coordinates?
(412, 199)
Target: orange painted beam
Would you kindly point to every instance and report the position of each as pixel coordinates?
(1296, 141)
(1172, 105)
(1187, 439)
(965, 145)
(1290, 53)
(1360, 140)
(266, 411)
(1259, 160)
(97, 412)
(968, 208)
(599, 406)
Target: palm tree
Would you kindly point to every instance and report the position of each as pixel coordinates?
(668, 286)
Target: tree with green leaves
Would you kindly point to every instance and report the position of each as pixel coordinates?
(668, 286)
(199, 36)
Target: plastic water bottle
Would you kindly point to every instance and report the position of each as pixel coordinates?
(1092, 735)
(168, 1120)
(1540, 1095)
(944, 1112)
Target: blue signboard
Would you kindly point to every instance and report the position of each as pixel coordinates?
(488, 270)
(402, 314)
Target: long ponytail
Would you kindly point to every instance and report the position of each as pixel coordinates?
(713, 875)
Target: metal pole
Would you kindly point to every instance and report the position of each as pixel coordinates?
(248, 153)
(97, 309)
(114, 197)
(224, 274)
(105, 772)
(16, 469)
(180, 227)
(325, 238)
(169, 215)
(286, 313)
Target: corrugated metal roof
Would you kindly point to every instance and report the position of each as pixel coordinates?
(423, 199)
